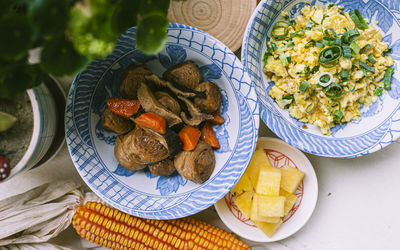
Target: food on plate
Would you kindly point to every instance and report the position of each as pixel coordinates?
(170, 125)
(326, 65)
(132, 78)
(115, 123)
(185, 74)
(130, 232)
(264, 194)
(196, 165)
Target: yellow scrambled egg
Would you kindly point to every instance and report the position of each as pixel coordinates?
(293, 62)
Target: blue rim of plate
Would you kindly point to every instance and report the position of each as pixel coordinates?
(291, 131)
(92, 169)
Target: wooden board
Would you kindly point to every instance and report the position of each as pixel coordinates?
(224, 19)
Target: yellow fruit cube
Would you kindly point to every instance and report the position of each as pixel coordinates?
(243, 185)
(289, 201)
(268, 228)
(255, 213)
(258, 161)
(291, 178)
(272, 206)
(268, 181)
(244, 203)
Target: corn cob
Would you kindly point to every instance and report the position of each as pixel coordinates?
(114, 229)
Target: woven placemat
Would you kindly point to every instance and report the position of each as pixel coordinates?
(224, 19)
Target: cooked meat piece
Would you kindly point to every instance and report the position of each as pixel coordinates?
(212, 102)
(177, 90)
(140, 147)
(124, 154)
(167, 101)
(185, 74)
(115, 123)
(133, 76)
(196, 165)
(150, 104)
(162, 168)
(195, 116)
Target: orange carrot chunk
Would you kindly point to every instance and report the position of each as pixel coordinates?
(189, 136)
(208, 136)
(123, 107)
(152, 121)
(218, 119)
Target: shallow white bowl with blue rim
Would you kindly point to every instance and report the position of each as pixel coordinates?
(380, 122)
(141, 193)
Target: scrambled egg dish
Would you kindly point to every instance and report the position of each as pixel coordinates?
(326, 64)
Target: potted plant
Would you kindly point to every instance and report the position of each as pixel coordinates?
(66, 35)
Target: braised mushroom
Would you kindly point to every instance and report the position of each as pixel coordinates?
(115, 123)
(151, 104)
(177, 90)
(212, 102)
(162, 168)
(193, 116)
(167, 101)
(196, 165)
(140, 147)
(185, 74)
(133, 76)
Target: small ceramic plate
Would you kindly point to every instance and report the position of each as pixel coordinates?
(280, 154)
(142, 193)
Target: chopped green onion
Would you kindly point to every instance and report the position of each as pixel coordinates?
(324, 79)
(367, 67)
(303, 86)
(338, 41)
(315, 69)
(329, 57)
(329, 42)
(346, 51)
(274, 46)
(330, 5)
(265, 58)
(358, 19)
(352, 90)
(313, 105)
(285, 59)
(307, 71)
(387, 51)
(323, 18)
(298, 33)
(338, 114)
(309, 25)
(282, 27)
(354, 46)
(319, 44)
(333, 91)
(353, 35)
(309, 44)
(365, 49)
(378, 91)
(292, 22)
(344, 75)
(371, 59)
(388, 78)
(366, 74)
(332, 33)
(288, 97)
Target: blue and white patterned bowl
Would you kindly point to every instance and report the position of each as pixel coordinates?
(141, 193)
(380, 122)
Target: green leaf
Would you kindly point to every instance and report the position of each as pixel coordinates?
(151, 33)
(18, 77)
(59, 58)
(16, 36)
(124, 15)
(49, 16)
(6, 121)
(150, 6)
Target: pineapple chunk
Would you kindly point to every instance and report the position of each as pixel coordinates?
(255, 214)
(291, 178)
(258, 161)
(289, 201)
(268, 181)
(268, 228)
(243, 185)
(244, 203)
(272, 206)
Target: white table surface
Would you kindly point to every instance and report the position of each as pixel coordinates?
(356, 209)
